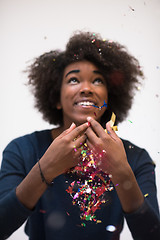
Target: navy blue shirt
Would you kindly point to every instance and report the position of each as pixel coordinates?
(54, 216)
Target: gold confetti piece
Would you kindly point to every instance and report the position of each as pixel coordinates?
(146, 195)
(113, 118)
(112, 121)
(115, 128)
(99, 221)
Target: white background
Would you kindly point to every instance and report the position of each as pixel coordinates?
(28, 28)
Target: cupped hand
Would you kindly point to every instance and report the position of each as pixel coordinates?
(64, 151)
(107, 147)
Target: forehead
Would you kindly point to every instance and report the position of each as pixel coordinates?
(81, 65)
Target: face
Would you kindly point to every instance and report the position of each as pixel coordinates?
(82, 86)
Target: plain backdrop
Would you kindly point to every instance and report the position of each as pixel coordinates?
(29, 28)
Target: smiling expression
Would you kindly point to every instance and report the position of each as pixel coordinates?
(83, 85)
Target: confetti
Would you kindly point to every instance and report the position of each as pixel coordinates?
(88, 191)
(104, 105)
(74, 147)
(130, 121)
(131, 8)
(113, 119)
(90, 186)
(146, 195)
(42, 211)
(131, 146)
(138, 88)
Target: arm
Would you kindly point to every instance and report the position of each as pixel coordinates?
(144, 221)
(21, 191)
(12, 213)
(115, 162)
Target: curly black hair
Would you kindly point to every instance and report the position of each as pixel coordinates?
(120, 70)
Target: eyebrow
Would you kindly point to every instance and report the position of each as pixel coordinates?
(97, 72)
(73, 71)
(77, 71)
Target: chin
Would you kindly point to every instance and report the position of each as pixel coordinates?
(82, 120)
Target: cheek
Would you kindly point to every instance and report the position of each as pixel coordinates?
(67, 94)
(104, 94)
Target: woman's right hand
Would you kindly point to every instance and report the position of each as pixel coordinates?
(64, 152)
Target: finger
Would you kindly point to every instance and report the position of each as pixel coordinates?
(110, 131)
(77, 157)
(96, 126)
(91, 136)
(90, 145)
(78, 130)
(79, 141)
(67, 131)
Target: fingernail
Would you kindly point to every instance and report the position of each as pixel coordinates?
(89, 124)
(109, 123)
(89, 119)
(73, 124)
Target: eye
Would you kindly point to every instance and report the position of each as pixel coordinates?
(98, 81)
(73, 80)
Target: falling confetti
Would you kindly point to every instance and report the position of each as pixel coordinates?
(131, 8)
(42, 211)
(146, 195)
(130, 121)
(90, 186)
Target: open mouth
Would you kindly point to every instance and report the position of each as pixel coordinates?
(85, 103)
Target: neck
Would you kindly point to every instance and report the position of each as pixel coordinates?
(57, 131)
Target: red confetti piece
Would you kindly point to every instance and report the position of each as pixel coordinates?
(42, 211)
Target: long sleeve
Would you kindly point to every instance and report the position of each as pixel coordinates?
(144, 224)
(12, 213)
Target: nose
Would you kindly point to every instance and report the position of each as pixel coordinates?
(86, 88)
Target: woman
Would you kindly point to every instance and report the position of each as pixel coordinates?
(72, 89)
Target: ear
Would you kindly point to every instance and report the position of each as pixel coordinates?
(59, 106)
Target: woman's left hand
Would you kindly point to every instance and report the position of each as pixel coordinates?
(108, 147)
(112, 159)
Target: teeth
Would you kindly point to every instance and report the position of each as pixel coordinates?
(85, 103)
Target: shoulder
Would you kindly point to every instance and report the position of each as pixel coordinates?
(30, 143)
(131, 147)
(136, 155)
(29, 139)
